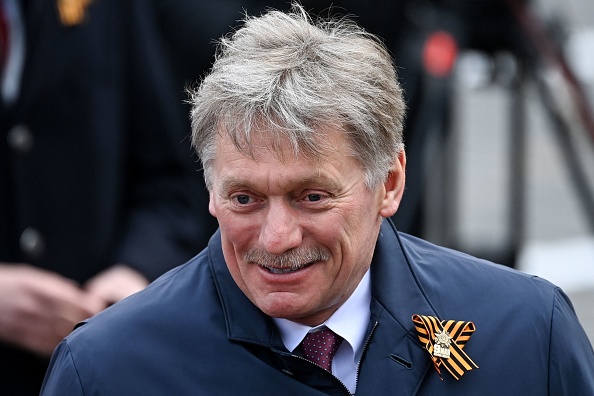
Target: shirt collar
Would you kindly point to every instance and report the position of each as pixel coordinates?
(350, 321)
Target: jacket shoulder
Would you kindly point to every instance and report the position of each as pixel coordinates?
(516, 315)
(169, 308)
(430, 261)
(463, 287)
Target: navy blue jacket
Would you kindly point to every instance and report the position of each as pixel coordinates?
(193, 332)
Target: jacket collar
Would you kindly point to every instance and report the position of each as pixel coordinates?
(394, 281)
(395, 359)
(245, 322)
(396, 295)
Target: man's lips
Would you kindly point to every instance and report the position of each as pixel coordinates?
(286, 270)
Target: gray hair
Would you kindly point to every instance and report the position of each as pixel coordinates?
(295, 77)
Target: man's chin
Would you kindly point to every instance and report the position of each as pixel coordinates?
(283, 305)
(286, 306)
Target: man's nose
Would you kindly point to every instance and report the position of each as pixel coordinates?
(281, 230)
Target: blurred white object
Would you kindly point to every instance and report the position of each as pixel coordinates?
(569, 264)
(474, 69)
(580, 54)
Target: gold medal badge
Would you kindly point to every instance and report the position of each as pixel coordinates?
(445, 341)
(441, 344)
(72, 12)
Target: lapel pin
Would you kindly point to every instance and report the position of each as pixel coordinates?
(445, 341)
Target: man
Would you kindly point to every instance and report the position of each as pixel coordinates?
(299, 130)
(98, 196)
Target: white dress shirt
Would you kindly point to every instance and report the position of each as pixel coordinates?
(350, 321)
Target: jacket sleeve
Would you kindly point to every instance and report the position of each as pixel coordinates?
(62, 377)
(166, 219)
(571, 359)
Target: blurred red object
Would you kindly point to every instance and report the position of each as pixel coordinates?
(439, 54)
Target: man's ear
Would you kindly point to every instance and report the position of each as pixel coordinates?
(394, 186)
(211, 205)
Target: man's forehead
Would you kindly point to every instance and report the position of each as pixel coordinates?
(237, 178)
(265, 170)
(285, 145)
(232, 159)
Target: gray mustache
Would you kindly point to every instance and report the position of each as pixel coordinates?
(289, 259)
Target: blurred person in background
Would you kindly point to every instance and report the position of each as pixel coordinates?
(99, 192)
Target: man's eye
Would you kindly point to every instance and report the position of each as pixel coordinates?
(313, 197)
(242, 199)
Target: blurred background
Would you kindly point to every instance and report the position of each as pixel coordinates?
(520, 190)
(538, 207)
(504, 141)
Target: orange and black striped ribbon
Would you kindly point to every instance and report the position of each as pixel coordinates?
(72, 12)
(459, 331)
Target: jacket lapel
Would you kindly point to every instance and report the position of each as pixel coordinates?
(245, 322)
(394, 362)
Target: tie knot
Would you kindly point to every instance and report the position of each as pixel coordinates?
(320, 346)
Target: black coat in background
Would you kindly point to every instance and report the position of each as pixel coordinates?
(95, 164)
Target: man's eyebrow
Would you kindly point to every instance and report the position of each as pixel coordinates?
(322, 180)
(232, 183)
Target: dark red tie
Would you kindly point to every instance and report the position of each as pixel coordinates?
(3, 36)
(320, 346)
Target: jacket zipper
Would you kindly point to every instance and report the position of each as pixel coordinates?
(363, 353)
(344, 387)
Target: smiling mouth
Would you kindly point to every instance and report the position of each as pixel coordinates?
(286, 270)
